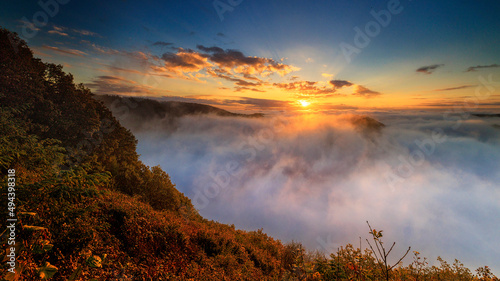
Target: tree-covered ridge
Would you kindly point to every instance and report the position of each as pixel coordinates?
(138, 114)
(89, 209)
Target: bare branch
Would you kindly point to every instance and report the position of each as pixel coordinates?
(391, 248)
(378, 260)
(401, 258)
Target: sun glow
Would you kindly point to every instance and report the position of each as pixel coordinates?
(304, 103)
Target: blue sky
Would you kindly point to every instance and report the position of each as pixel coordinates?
(303, 36)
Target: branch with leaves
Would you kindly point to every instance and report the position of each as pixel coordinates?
(382, 253)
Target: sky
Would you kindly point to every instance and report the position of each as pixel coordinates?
(273, 55)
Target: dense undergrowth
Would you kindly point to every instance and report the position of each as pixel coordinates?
(88, 209)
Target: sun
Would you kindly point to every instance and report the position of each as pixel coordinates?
(304, 103)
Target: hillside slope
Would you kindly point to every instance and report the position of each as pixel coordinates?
(87, 207)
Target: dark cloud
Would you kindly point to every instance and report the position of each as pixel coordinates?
(454, 88)
(474, 68)
(338, 84)
(220, 34)
(467, 104)
(429, 69)
(162, 44)
(128, 70)
(250, 77)
(184, 61)
(240, 82)
(231, 65)
(243, 88)
(244, 64)
(106, 77)
(305, 89)
(365, 92)
(232, 58)
(246, 83)
(65, 51)
(210, 49)
(246, 72)
(114, 85)
(259, 103)
(177, 60)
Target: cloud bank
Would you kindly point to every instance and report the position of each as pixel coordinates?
(429, 69)
(455, 88)
(474, 68)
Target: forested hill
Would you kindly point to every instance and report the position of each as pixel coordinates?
(88, 209)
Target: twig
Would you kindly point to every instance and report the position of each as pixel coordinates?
(401, 258)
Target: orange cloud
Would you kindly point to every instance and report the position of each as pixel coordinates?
(306, 89)
(184, 61)
(312, 89)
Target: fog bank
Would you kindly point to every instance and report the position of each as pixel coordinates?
(428, 181)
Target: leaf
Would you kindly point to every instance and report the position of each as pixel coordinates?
(42, 246)
(47, 271)
(94, 261)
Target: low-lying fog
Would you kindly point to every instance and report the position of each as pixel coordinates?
(430, 181)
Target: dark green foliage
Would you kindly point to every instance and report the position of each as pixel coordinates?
(72, 159)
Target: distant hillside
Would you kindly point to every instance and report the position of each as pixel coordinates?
(486, 115)
(139, 114)
(146, 108)
(367, 125)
